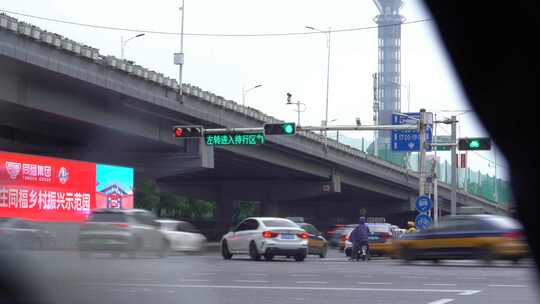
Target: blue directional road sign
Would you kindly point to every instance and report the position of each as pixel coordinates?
(423, 203)
(409, 140)
(423, 221)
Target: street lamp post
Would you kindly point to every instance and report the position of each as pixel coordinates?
(124, 42)
(328, 32)
(179, 57)
(244, 92)
(337, 132)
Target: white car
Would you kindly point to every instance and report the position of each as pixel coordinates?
(182, 236)
(266, 236)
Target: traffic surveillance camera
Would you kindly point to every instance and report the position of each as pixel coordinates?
(358, 122)
(289, 96)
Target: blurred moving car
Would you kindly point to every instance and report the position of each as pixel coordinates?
(485, 237)
(182, 236)
(329, 235)
(118, 231)
(399, 232)
(334, 235)
(22, 234)
(266, 236)
(380, 240)
(344, 234)
(317, 244)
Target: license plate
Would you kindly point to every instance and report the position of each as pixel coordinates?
(286, 236)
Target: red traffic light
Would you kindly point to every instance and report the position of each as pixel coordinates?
(178, 132)
(188, 131)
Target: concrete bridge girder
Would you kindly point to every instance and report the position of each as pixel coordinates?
(269, 191)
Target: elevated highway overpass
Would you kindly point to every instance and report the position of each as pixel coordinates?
(64, 99)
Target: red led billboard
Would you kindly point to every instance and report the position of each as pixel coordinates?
(57, 190)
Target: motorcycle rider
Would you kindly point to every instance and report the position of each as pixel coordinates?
(411, 227)
(359, 237)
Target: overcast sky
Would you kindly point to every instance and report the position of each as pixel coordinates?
(295, 63)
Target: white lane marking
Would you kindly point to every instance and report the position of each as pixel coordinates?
(253, 274)
(250, 281)
(374, 283)
(304, 275)
(440, 284)
(311, 282)
(441, 301)
(413, 277)
(358, 276)
(203, 273)
(463, 292)
(504, 285)
(194, 280)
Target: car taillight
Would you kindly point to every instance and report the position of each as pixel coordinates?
(303, 235)
(269, 234)
(513, 234)
(120, 225)
(344, 238)
(386, 236)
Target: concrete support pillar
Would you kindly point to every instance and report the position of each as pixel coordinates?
(224, 211)
(268, 205)
(269, 208)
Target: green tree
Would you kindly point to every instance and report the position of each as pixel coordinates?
(245, 210)
(168, 205)
(147, 195)
(192, 208)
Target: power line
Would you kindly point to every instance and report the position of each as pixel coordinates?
(104, 27)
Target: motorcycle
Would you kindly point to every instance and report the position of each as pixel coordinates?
(363, 254)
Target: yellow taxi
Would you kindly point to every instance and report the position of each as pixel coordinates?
(482, 236)
(317, 244)
(380, 240)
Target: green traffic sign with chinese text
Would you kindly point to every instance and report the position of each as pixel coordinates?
(443, 148)
(234, 139)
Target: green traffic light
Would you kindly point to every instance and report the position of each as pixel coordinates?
(474, 144)
(288, 128)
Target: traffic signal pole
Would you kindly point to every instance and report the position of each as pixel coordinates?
(453, 164)
(423, 147)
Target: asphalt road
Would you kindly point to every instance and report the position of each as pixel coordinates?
(63, 277)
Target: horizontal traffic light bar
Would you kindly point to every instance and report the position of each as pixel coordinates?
(360, 128)
(286, 128)
(234, 130)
